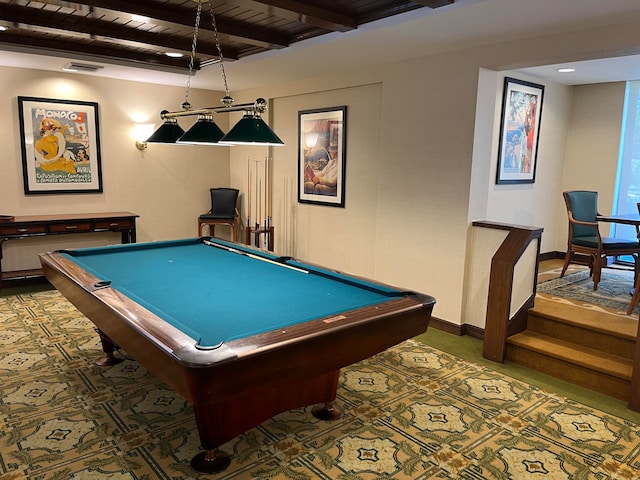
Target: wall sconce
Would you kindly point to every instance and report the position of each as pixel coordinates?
(140, 133)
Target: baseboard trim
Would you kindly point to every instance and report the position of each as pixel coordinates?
(445, 326)
(459, 330)
(551, 256)
(475, 332)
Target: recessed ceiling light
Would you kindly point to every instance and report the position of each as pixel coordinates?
(174, 54)
(3, 28)
(566, 70)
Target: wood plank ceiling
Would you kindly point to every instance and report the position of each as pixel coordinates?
(141, 32)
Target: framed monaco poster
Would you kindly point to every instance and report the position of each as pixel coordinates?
(60, 142)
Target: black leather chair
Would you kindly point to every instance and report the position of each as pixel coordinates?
(585, 238)
(636, 284)
(223, 212)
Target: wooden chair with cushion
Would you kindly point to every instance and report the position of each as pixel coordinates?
(223, 212)
(636, 284)
(584, 235)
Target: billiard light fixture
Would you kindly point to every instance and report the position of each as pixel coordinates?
(250, 130)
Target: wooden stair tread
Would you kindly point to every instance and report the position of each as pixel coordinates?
(573, 353)
(593, 319)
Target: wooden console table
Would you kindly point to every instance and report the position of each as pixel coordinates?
(41, 225)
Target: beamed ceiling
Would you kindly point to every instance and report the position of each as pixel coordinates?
(112, 30)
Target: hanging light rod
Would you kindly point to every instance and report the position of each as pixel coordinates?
(257, 107)
(250, 130)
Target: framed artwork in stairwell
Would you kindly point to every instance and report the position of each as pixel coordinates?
(519, 131)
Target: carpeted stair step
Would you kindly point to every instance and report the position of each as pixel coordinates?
(609, 333)
(588, 367)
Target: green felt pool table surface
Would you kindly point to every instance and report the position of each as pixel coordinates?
(217, 291)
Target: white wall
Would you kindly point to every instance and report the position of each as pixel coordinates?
(593, 142)
(532, 204)
(408, 174)
(341, 237)
(430, 179)
(167, 185)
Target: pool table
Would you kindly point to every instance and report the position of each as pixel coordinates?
(240, 333)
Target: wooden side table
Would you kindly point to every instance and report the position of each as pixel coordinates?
(24, 226)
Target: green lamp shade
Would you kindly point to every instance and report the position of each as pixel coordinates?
(251, 130)
(203, 132)
(168, 132)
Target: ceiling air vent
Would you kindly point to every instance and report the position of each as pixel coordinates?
(81, 67)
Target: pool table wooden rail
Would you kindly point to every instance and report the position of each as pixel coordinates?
(246, 381)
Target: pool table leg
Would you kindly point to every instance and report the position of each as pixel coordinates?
(328, 411)
(221, 420)
(108, 347)
(210, 461)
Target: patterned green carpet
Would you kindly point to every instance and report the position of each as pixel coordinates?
(613, 289)
(412, 412)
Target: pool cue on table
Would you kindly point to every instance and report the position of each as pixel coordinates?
(254, 256)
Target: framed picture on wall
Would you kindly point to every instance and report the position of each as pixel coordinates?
(519, 131)
(60, 142)
(322, 161)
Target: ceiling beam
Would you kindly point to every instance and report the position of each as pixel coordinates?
(244, 27)
(171, 15)
(434, 3)
(301, 12)
(105, 30)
